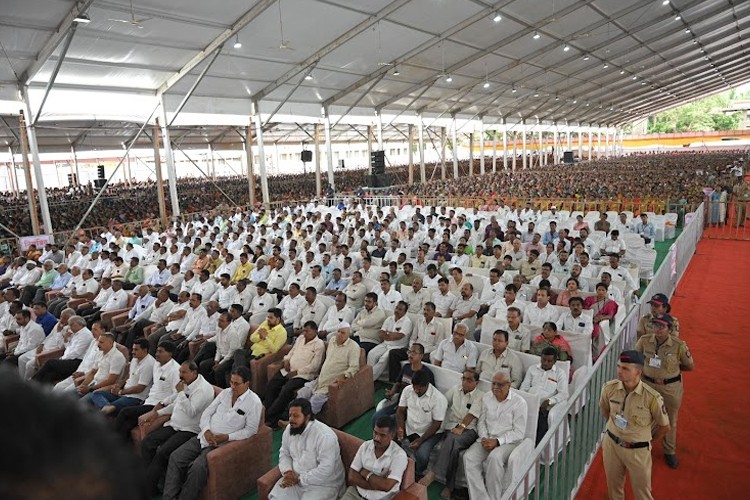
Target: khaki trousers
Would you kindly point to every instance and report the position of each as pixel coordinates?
(637, 462)
(672, 394)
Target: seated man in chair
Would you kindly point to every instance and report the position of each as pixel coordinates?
(378, 466)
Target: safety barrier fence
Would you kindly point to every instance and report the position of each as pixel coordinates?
(558, 465)
(727, 220)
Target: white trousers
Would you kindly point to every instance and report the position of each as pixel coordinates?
(485, 471)
(378, 359)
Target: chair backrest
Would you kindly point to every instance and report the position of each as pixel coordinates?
(580, 344)
(445, 378)
(326, 300)
(532, 404)
(489, 326)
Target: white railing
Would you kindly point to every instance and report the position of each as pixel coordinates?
(560, 462)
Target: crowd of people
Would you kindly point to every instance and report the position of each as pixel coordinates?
(146, 325)
(676, 177)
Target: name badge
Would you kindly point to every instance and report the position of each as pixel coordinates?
(621, 422)
(654, 363)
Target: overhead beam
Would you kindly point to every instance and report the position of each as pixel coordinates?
(418, 50)
(215, 44)
(81, 6)
(195, 84)
(335, 44)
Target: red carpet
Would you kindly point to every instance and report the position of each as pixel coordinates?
(713, 441)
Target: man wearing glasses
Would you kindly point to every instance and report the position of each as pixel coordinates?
(502, 425)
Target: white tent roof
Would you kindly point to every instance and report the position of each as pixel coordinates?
(624, 60)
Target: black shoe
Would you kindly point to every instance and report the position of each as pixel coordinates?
(672, 461)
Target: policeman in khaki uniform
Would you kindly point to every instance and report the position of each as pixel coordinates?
(631, 408)
(659, 306)
(665, 357)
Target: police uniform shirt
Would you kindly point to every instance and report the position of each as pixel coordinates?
(663, 361)
(631, 416)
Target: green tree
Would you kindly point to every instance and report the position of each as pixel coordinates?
(702, 115)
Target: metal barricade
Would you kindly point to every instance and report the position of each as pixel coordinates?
(560, 462)
(727, 220)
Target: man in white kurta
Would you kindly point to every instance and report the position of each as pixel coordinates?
(502, 425)
(309, 458)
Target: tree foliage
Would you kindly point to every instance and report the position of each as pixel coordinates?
(703, 115)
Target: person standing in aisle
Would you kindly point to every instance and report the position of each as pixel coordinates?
(665, 358)
(631, 408)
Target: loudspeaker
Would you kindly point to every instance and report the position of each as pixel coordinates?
(377, 162)
(568, 157)
(342, 164)
(381, 180)
(100, 170)
(306, 156)
(99, 183)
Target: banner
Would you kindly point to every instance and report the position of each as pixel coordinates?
(39, 240)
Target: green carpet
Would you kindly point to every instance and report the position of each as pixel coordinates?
(362, 429)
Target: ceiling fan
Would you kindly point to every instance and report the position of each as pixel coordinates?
(381, 62)
(138, 23)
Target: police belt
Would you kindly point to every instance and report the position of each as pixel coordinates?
(626, 444)
(666, 381)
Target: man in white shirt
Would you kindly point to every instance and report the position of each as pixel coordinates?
(546, 274)
(387, 297)
(338, 313)
(613, 244)
(118, 299)
(232, 416)
(550, 383)
(313, 309)
(501, 427)
(309, 458)
(378, 466)
(618, 272)
(443, 298)
(541, 312)
(185, 406)
(31, 336)
(300, 365)
(575, 321)
(420, 414)
(428, 332)
(132, 391)
(395, 334)
(166, 374)
(108, 369)
(225, 293)
(28, 362)
(456, 353)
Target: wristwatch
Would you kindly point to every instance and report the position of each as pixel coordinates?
(462, 425)
(368, 477)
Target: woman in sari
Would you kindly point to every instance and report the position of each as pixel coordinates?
(550, 338)
(604, 309)
(571, 290)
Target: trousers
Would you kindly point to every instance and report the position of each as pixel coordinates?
(156, 448)
(485, 470)
(637, 462)
(451, 448)
(187, 471)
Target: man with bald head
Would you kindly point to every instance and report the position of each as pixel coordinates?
(502, 426)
